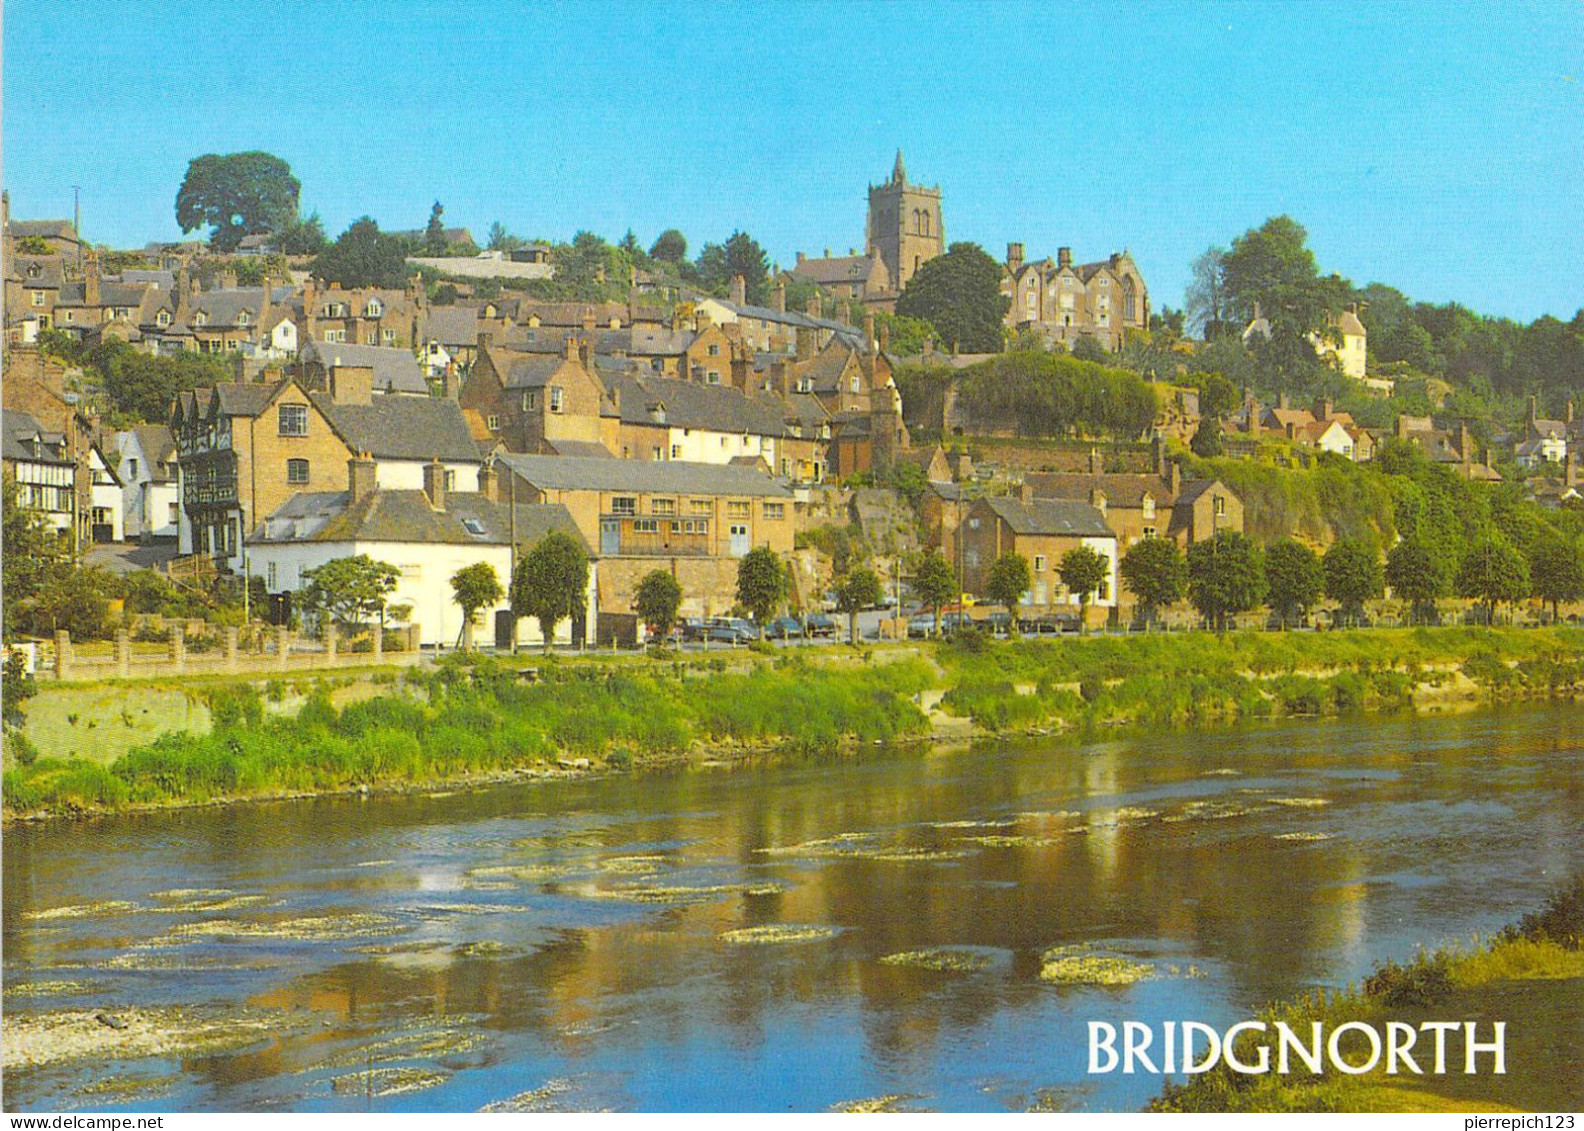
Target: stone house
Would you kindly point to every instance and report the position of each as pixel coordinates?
(1041, 530)
(1063, 301)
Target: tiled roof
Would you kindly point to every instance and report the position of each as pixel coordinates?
(19, 429)
(837, 269)
(407, 517)
(244, 399)
(454, 325)
(396, 427)
(1051, 516)
(44, 271)
(572, 473)
(395, 370)
(689, 404)
(1120, 489)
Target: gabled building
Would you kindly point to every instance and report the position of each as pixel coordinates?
(45, 473)
(1063, 301)
(147, 467)
(391, 370)
(1041, 530)
(365, 316)
(533, 401)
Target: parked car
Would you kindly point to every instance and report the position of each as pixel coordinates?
(819, 624)
(693, 629)
(784, 628)
(730, 630)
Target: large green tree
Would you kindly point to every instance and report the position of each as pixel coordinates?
(1416, 576)
(474, 587)
(719, 264)
(1493, 571)
(1154, 570)
(1272, 269)
(658, 597)
(550, 583)
(302, 235)
(1083, 571)
(351, 588)
(761, 584)
(1353, 575)
(1556, 568)
(857, 590)
(1226, 576)
(934, 584)
(1295, 579)
(363, 256)
(1010, 578)
(237, 194)
(959, 293)
(141, 385)
(669, 247)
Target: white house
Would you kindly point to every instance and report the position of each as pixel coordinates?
(146, 464)
(108, 500)
(428, 535)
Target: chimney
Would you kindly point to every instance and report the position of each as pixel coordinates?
(780, 297)
(805, 343)
(1283, 401)
(827, 253)
(486, 340)
(434, 475)
(800, 258)
(739, 290)
(1465, 445)
(1095, 466)
(1025, 493)
(264, 305)
(1324, 408)
(869, 329)
(817, 305)
(310, 294)
(588, 319)
(1014, 257)
(228, 280)
(1174, 471)
(573, 353)
(780, 381)
(1570, 469)
(885, 337)
(1567, 416)
(451, 383)
(1401, 427)
(488, 482)
(1064, 257)
(1531, 411)
(91, 279)
(351, 384)
(1158, 456)
(360, 477)
(615, 396)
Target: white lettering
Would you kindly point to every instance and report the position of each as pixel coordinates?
(1339, 1062)
(1498, 1046)
(1212, 1050)
(1394, 1030)
(1102, 1038)
(1132, 1047)
(1259, 1066)
(1440, 1029)
(1289, 1040)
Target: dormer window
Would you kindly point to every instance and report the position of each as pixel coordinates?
(163, 318)
(374, 308)
(242, 318)
(200, 319)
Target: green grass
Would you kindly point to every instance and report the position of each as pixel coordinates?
(481, 718)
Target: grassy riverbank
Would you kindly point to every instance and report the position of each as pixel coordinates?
(1530, 976)
(471, 721)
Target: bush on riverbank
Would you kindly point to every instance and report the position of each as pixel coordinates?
(481, 718)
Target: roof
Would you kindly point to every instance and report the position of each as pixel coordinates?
(222, 306)
(158, 446)
(395, 370)
(54, 229)
(244, 398)
(645, 342)
(1121, 489)
(395, 427)
(836, 269)
(574, 473)
(454, 325)
(1349, 323)
(585, 449)
(19, 429)
(689, 404)
(469, 518)
(1051, 516)
(44, 271)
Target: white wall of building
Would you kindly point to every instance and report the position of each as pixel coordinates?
(407, 474)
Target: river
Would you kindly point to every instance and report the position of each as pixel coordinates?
(568, 945)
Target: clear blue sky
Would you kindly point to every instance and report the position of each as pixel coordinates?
(1436, 147)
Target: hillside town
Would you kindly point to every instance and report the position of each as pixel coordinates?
(197, 432)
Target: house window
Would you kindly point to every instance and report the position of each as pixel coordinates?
(712, 377)
(853, 384)
(374, 309)
(555, 398)
(738, 509)
(163, 318)
(662, 506)
(658, 453)
(714, 349)
(175, 512)
(271, 576)
(132, 468)
(1149, 532)
(1039, 563)
(624, 504)
(450, 479)
(646, 526)
(294, 420)
(1220, 505)
(530, 402)
(38, 298)
(199, 319)
(371, 338)
(71, 316)
(701, 506)
(1149, 507)
(296, 471)
(493, 422)
(389, 336)
(973, 524)
(775, 511)
(676, 451)
(335, 335)
(242, 318)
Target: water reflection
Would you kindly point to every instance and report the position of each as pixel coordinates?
(486, 943)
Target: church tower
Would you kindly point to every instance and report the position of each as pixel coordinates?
(905, 227)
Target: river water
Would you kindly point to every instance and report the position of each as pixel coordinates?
(567, 945)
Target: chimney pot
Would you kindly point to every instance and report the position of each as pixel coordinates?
(434, 474)
(360, 476)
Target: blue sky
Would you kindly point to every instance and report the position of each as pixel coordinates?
(1436, 147)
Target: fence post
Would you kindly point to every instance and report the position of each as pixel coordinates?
(123, 653)
(282, 647)
(63, 657)
(330, 643)
(178, 646)
(231, 638)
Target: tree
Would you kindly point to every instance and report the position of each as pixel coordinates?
(1155, 572)
(16, 688)
(1352, 576)
(761, 584)
(1204, 301)
(237, 194)
(1088, 348)
(1272, 268)
(1083, 571)
(363, 256)
(1493, 572)
(905, 337)
(302, 236)
(551, 583)
(1416, 576)
(658, 598)
(1295, 579)
(1556, 569)
(934, 584)
(349, 588)
(1226, 576)
(434, 232)
(502, 240)
(959, 293)
(1206, 442)
(1009, 579)
(142, 385)
(669, 247)
(30, 553)
(474, 587)
(856, 591)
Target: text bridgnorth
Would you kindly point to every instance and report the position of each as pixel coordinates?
(1353, 1048)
